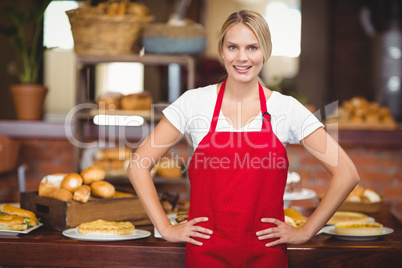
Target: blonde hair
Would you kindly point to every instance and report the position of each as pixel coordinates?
(257, 24)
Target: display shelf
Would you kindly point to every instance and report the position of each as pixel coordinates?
(85, 128)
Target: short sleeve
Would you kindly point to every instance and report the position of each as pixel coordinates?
(180, 111)
(302, 122)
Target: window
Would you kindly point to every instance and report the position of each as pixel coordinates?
(284, 20)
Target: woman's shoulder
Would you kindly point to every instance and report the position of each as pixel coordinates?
(279, 100)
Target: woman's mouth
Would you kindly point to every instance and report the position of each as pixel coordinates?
(242, 68)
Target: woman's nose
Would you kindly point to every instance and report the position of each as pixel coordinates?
(242, 55)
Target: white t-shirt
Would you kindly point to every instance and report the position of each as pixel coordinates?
(192, 113)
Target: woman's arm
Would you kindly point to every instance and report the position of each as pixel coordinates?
(156, 145)
(344, 178)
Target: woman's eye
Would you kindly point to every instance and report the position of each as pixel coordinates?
(232, 47)
(253, 48)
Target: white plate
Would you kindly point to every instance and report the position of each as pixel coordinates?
(331, 231)
(136, 234)
(303, 195)
(13, 232)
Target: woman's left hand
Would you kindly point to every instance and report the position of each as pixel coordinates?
(283, 233)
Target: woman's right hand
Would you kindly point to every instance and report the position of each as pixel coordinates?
(187, 231)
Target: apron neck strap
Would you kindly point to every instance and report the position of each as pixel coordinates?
(218, 105)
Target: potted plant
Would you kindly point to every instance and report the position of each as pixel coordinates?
(29, 94)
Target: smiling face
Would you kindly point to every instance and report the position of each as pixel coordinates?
(242, 55)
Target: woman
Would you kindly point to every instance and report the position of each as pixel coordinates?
(239, 168)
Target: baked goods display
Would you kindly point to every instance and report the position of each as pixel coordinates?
(362, 199)
(17, 219)
(106, 227)
(112, 102)
(359, 113)
(359, 229)
(136, 101)
(81, 187)
(109, 101)
(294, 217)
(168, 168)
(113, 161)
(362, 194)
(293, 183)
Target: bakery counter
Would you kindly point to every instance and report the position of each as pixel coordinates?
(44, 247)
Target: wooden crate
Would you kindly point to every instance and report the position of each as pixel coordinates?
(60, 215)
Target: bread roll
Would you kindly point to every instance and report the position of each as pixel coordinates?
(169, 168)
(46, 188)
(71, 182)
(61, 194)
(109, 101)
(82, 194)
(114, 154)
(372, 196)
(92, 174)
(54, 179)
(138, 9)
(103, 189)
(137, 101)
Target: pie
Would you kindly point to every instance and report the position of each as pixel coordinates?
(368, 228)
(346, 216)
(106, 227)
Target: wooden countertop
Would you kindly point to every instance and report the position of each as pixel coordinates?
(58, 129)
(44, 247)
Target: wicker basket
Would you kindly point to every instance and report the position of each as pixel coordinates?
(162, 38)
(99, 34)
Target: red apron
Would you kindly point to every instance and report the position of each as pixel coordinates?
(237, 178)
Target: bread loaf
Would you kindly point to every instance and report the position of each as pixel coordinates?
(61, 194)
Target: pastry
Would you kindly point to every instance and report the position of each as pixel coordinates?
(297, 217)
(106, 227)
